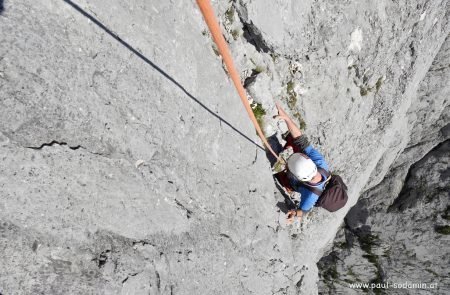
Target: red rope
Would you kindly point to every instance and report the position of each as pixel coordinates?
(213, 25)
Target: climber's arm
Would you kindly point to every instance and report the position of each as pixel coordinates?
(308, 199)
(295, 131)
(301, 141)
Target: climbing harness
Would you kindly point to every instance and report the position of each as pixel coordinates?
(213, 25)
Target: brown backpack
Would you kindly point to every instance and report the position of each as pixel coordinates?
(334, 196)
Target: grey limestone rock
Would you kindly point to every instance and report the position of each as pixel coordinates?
(404, 243)
(129, 166)
(397, 231)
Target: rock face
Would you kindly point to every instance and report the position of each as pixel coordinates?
(405, 243)
(397, 233)
(128, 165)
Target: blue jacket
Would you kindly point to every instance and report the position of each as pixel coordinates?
(308, 198)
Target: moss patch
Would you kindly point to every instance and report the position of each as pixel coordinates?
(278, 166)
(258, 70)
(292, 96)
(215, 49)
(379, 83)
(292, 102)
(301, 122)
(229, 15)
(330, 275)
(443, 229)
(290, 87)
(259, 113)
(341, 245)
(367, 242)
(363, 91)
(235, 34)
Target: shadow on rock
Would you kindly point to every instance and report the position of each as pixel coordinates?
(1, 6)
(285, 206)
(288, 203)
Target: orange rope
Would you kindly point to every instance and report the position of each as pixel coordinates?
(213, 25)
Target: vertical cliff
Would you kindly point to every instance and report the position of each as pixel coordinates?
(128, 165)
(398, 230)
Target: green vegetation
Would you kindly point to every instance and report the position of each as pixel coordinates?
(259, 69)
(366, 243)
(292, 101)
(379, 83)
(443, 229)
(278, 166)
(341, 245)
(259, 113)
(372, 258)
(332, 273)
(215, 49)
(235, 34)
(292, 96)
(290, 87)
(229, 15)
(364, 88)
(301, 122)
(363, 91)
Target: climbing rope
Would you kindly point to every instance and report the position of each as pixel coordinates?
(214, 28)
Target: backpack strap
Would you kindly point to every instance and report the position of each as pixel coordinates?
(315, 189)
(324, 172)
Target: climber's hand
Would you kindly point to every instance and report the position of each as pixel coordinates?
(290, 216)
(281, 113)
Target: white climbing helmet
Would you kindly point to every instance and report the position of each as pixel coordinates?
(301, 166)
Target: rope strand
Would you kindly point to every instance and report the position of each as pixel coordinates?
(213, 25)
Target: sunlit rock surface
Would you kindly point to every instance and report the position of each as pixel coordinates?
(129, 166)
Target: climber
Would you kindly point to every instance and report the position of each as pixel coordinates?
(308, 171)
